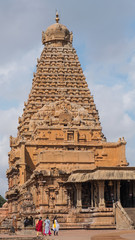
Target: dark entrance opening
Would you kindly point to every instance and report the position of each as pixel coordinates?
(109, 194)
(74, 197)
(126, 194)
(86, 195)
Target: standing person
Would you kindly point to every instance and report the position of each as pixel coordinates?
(39, 226)
(47, 227)
(26, 222)
(31, 221)
(55, 226)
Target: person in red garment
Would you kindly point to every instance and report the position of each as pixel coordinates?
(39, 226)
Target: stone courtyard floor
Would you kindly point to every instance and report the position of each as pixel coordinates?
(77, 235)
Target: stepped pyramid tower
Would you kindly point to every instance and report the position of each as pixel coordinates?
(60, 162)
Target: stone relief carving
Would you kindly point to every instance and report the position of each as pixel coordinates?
(61, 113)
(27, 205)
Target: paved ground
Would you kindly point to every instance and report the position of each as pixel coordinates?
(80, 235)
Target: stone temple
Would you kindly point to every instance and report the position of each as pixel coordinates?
(60, 163)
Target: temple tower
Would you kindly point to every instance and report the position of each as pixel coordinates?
(60, 159)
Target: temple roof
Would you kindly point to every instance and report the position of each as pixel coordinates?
(114, 173)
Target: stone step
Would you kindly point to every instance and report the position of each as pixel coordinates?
(72, 226)
(78, 220)
(6, 223)
(87, 226)
(102, 226)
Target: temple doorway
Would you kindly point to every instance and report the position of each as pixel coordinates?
(127, 194)
(109, 194)
(86, 195)
(74, 196)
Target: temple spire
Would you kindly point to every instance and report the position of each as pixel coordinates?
(57, 17)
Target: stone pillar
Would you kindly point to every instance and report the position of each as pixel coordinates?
(14, 223)
(22, 164)
(37, 196)
(118, 190)
(69, 200)
(10, 207)
(41, 188)
(79, 195)
(76, 136)
(41, 196)
(101, 194)
(59, 195)
(92, 194)
(46, 197)
(115, 192)
(69, 196)
(65, 135)
(34, 194)
(65, 196)
(133, 193)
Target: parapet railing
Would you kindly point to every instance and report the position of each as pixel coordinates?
(122, 219)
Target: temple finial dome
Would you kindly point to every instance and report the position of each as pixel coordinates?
(57, 17)
(57, 34)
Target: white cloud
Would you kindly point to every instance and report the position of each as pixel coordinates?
(115, 100)
(115, 120)
(8, 121)
(15, 84)
(4, 147)
(3, 186)
(131, 70)
(16, 78)
(8, 126)
(6, 71)
(129, 100)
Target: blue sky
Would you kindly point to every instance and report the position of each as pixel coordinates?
(104, 37)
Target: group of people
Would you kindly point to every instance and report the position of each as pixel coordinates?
(44, 226)
(28, 221)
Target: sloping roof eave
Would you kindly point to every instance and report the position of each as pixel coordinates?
(102, 175)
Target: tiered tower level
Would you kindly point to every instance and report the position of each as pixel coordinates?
(59, 96)
(59, 128)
